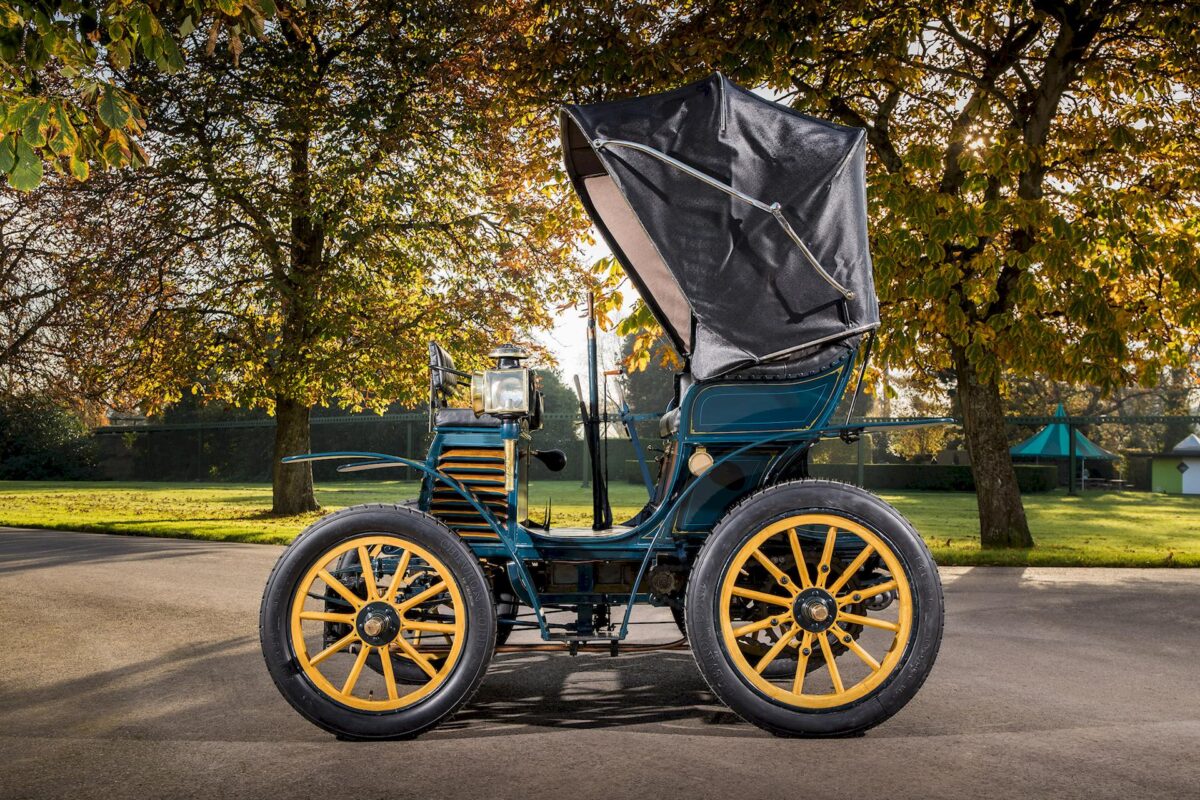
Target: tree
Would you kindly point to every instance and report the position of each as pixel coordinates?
(559, 398)
(59, 102)
(651, 380)
(70, 306)
(1033, 179)
(357, 185)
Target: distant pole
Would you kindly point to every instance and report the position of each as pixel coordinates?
(584, 463)
(408, 447)
(861, 478)
(1072, 481)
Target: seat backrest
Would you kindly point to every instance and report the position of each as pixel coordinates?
(443, 381)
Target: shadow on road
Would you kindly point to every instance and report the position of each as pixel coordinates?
(26, 550)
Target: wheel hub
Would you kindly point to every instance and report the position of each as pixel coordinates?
(377, 623)
(814, 609)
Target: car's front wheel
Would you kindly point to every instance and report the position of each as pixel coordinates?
(377, 623)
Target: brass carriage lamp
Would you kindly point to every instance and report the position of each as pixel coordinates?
(505, 390)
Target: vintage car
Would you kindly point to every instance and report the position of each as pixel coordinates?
(812, 607)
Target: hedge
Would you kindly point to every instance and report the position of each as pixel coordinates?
(933, 477)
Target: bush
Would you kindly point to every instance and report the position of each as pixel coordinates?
(933, 477)
(40, 440)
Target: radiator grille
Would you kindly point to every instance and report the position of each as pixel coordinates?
(480, 470)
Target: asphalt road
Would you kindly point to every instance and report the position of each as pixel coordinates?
(130, 668)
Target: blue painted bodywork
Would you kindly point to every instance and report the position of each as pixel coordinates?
(758, 433)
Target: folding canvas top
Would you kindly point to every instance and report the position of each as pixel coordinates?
(742, 223)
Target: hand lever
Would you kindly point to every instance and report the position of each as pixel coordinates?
(554, 460)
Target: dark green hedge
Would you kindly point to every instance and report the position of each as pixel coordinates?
(40, 441)
(932, 477)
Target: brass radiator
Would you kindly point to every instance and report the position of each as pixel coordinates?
(479, 469)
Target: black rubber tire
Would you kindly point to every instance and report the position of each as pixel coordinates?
(703, 596)
(422, 529)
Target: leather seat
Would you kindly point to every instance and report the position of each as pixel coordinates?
(668, 425)
(464, 418)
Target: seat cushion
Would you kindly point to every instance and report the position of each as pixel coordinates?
(668, 425)
(464, 418)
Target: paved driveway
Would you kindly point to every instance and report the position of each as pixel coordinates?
(130, 668)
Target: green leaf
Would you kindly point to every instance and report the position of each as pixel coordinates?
(65, 140)
(34, 128)
(186, 27)
(79, 168)
(27, 173)
(116, 149)
(36, 54)
(120, 54)
(8, 154)
(113, 108)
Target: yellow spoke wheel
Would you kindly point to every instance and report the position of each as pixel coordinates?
(386, 617)
(377, 623)
(807, 610)
(814, 609)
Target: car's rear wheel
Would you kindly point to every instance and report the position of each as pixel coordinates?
(814, 610)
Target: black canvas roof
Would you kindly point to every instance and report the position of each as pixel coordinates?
(682, 186)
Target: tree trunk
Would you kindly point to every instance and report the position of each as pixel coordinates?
(292, 487)
(1001, 516)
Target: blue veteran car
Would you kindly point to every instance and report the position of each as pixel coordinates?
(812, 608)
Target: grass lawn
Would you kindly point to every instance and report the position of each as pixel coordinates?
(1095, 529)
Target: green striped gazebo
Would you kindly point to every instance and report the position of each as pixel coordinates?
(1053, 443)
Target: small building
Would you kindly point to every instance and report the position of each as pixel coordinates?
(1177, 471)
(1052, 445)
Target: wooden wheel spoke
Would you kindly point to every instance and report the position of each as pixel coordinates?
(364, 558)
(855, 647)
(779, 575)
(421, 659)
(432, 627)
(762, 597)
(863, 594)
(340, 644)
(798, 554)
(802, 663)
(776, 649)
(354, 600)
(754, 627)
(870, 622)
(853, 567)
(389, 674)
(421, 597)
(834, 675)
(328, 616)
(823, 565)
(356, 670)
(398, 576)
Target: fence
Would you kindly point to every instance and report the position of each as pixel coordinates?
(240, 450)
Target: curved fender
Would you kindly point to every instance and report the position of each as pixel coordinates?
(384, 461)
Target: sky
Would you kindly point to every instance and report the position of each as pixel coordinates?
(567, 340)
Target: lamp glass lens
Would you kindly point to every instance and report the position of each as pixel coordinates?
(508, 391)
